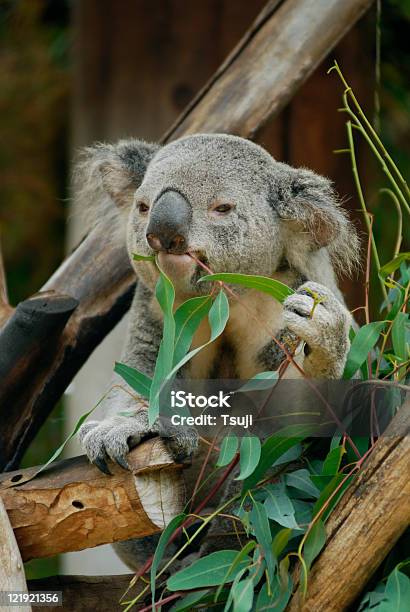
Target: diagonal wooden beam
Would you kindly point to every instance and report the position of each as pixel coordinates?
(364, 527)
(281, 49)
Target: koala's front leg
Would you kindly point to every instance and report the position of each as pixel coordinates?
(323, 326)
(127, 422)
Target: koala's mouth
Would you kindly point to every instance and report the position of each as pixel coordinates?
(183, 265)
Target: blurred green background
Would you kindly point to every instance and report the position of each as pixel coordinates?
(40, 84)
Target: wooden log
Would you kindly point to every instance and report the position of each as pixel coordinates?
(12, 576)
(363, 528)
(29, 341)
(85, 593)
(278, 53)
(72, 505)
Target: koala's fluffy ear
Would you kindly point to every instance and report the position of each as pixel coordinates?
(310, 209)
(108, 174)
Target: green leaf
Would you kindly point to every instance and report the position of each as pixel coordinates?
(228, 450)
(207, 571)
(314, 543)
(327, 491)
(272, 287)
(239, 557)
(249, 456)
(260, 525)
(279, 507)
(137, 257)
(278, 599)
(260, 382)
(280, 541)
(398, 335)
(273, 448)
(397, 593)
(165, 294)
(9, 484)
(186, 603)
(136, 379)
(160, 549)
(333, 460)
(300, 479)
(187, 320)
(218, 318)
(243, 595)
(362, 344)
(392, 265)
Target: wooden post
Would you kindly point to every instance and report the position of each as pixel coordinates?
(12, 576)
(364, 527)
(29, 342)
(72, 505)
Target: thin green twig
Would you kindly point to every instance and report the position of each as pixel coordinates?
(362, 202)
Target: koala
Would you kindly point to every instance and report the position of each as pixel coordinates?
(225, 200)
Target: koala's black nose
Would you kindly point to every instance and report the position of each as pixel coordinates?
(169, 223)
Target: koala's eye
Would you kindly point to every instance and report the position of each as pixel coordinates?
(142, 207)
(223, 209)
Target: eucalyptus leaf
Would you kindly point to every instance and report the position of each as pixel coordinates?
(273, 448)
(137, 257)
(363, 342)
(300, 479)
(272, 287)
(279, 507)
(160, 549)
(398, 334)
(134, 378)
(332, 462)
(186, 603)
(278, 600)
(396, 594)
(260, 382)
(188, 317)
(228, 450)
(249, 456)
(243, 595)
(314, 543)
(165, 294)
(280, 541)
(393, 264)
(207, 571)
(260, 524)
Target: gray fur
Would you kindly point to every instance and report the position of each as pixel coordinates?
(285, 223)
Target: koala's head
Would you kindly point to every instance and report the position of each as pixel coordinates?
(225, 200)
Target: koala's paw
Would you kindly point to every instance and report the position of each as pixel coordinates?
(316, 316)
(116, 436)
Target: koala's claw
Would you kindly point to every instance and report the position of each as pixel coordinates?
(102, 465)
